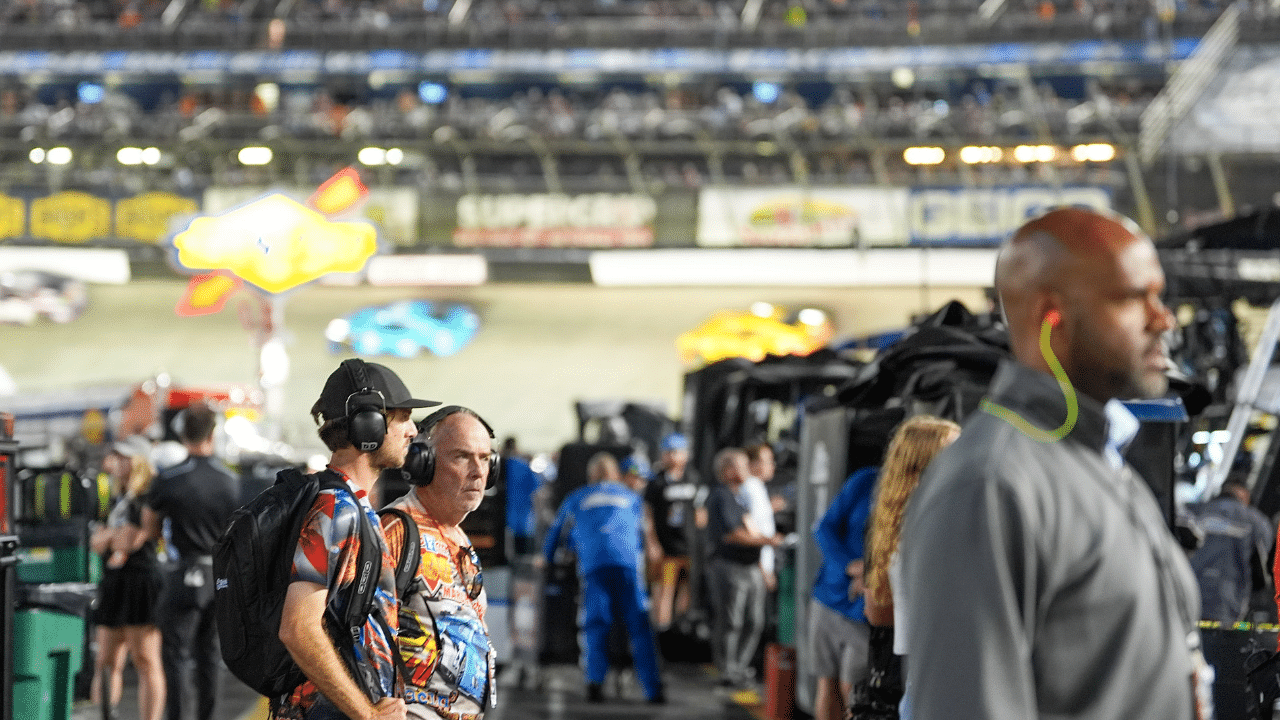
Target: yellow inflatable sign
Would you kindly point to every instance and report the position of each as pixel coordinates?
(275, 243)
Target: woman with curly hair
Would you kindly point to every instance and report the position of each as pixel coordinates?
(914, 444)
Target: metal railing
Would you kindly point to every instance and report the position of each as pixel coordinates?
(1188, 83)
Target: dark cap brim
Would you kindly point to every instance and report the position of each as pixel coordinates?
(412, 403)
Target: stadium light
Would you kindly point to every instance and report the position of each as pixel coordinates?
(1094, 152)
(36, 155)
(975, 154)
(924, 155)
(254, 155)
(151, 156)
(59, 156)
(1035, 153)
(129, 156)
(395, 156)
(372, 156)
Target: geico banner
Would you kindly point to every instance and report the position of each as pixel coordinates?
(555, 220)
(986, 216)
(801, 217)
(394, 210)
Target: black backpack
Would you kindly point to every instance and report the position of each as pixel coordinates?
(252, 564)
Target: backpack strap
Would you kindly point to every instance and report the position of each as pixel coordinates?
(360, 606)
(410, 550)
(368, 559)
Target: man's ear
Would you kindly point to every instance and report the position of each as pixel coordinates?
(1049, 306)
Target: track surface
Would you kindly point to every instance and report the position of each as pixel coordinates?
(540, 346)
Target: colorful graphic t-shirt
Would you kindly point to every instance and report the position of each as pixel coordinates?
(327, 554)
(443, 639)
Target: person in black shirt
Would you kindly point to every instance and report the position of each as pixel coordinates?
(671, 502)
(126, 609)
(196, 498)
(737, 585)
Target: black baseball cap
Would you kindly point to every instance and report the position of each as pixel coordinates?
(342, 384)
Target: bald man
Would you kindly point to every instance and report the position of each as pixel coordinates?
(1039, 576)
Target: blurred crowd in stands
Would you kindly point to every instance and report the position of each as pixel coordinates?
(603, 117)
(616, 23)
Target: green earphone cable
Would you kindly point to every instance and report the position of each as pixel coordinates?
(1068, 392)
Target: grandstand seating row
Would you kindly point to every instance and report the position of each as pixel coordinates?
(427, 24)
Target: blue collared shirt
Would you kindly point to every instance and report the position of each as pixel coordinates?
(1122, 428)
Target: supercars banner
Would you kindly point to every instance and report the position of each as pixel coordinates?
(595, 220)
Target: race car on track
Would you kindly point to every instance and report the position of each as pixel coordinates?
(28, 295)
(405, 328)
(765, 330)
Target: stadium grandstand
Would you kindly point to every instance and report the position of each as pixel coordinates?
(661, 98)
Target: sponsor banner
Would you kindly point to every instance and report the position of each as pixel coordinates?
(317, 63)
(78, 218)
(147, 217)
(393, 210)
(597, 220)
(801, 217)
(13, 217)
(70, 217)
(453, 270)
(96, 265)
(986, 216)
(879, 267)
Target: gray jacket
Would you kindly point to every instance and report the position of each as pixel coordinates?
(1041, 582)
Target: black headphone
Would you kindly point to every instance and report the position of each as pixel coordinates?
(420, 463)
(366, 410)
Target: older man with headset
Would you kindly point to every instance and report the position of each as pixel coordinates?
(444, 642)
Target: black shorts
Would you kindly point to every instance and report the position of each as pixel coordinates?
(127, 597)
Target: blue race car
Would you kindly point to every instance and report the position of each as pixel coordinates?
(405, 328)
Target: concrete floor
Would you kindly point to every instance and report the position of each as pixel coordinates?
(555, 694)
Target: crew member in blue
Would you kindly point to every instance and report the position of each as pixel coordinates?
(603, 522)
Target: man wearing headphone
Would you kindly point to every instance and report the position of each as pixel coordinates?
(364, 420)
(448, 658)
(1043, 581)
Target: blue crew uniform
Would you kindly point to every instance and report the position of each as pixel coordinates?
(604, 523)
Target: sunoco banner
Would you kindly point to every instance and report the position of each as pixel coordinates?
(801, 217)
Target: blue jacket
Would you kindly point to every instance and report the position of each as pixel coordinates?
(522, 482)
(840, 537)
(604, 522)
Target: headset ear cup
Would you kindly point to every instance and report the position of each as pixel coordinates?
(495, 468)
(367, 429)
(428, 464)
(413, 463)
